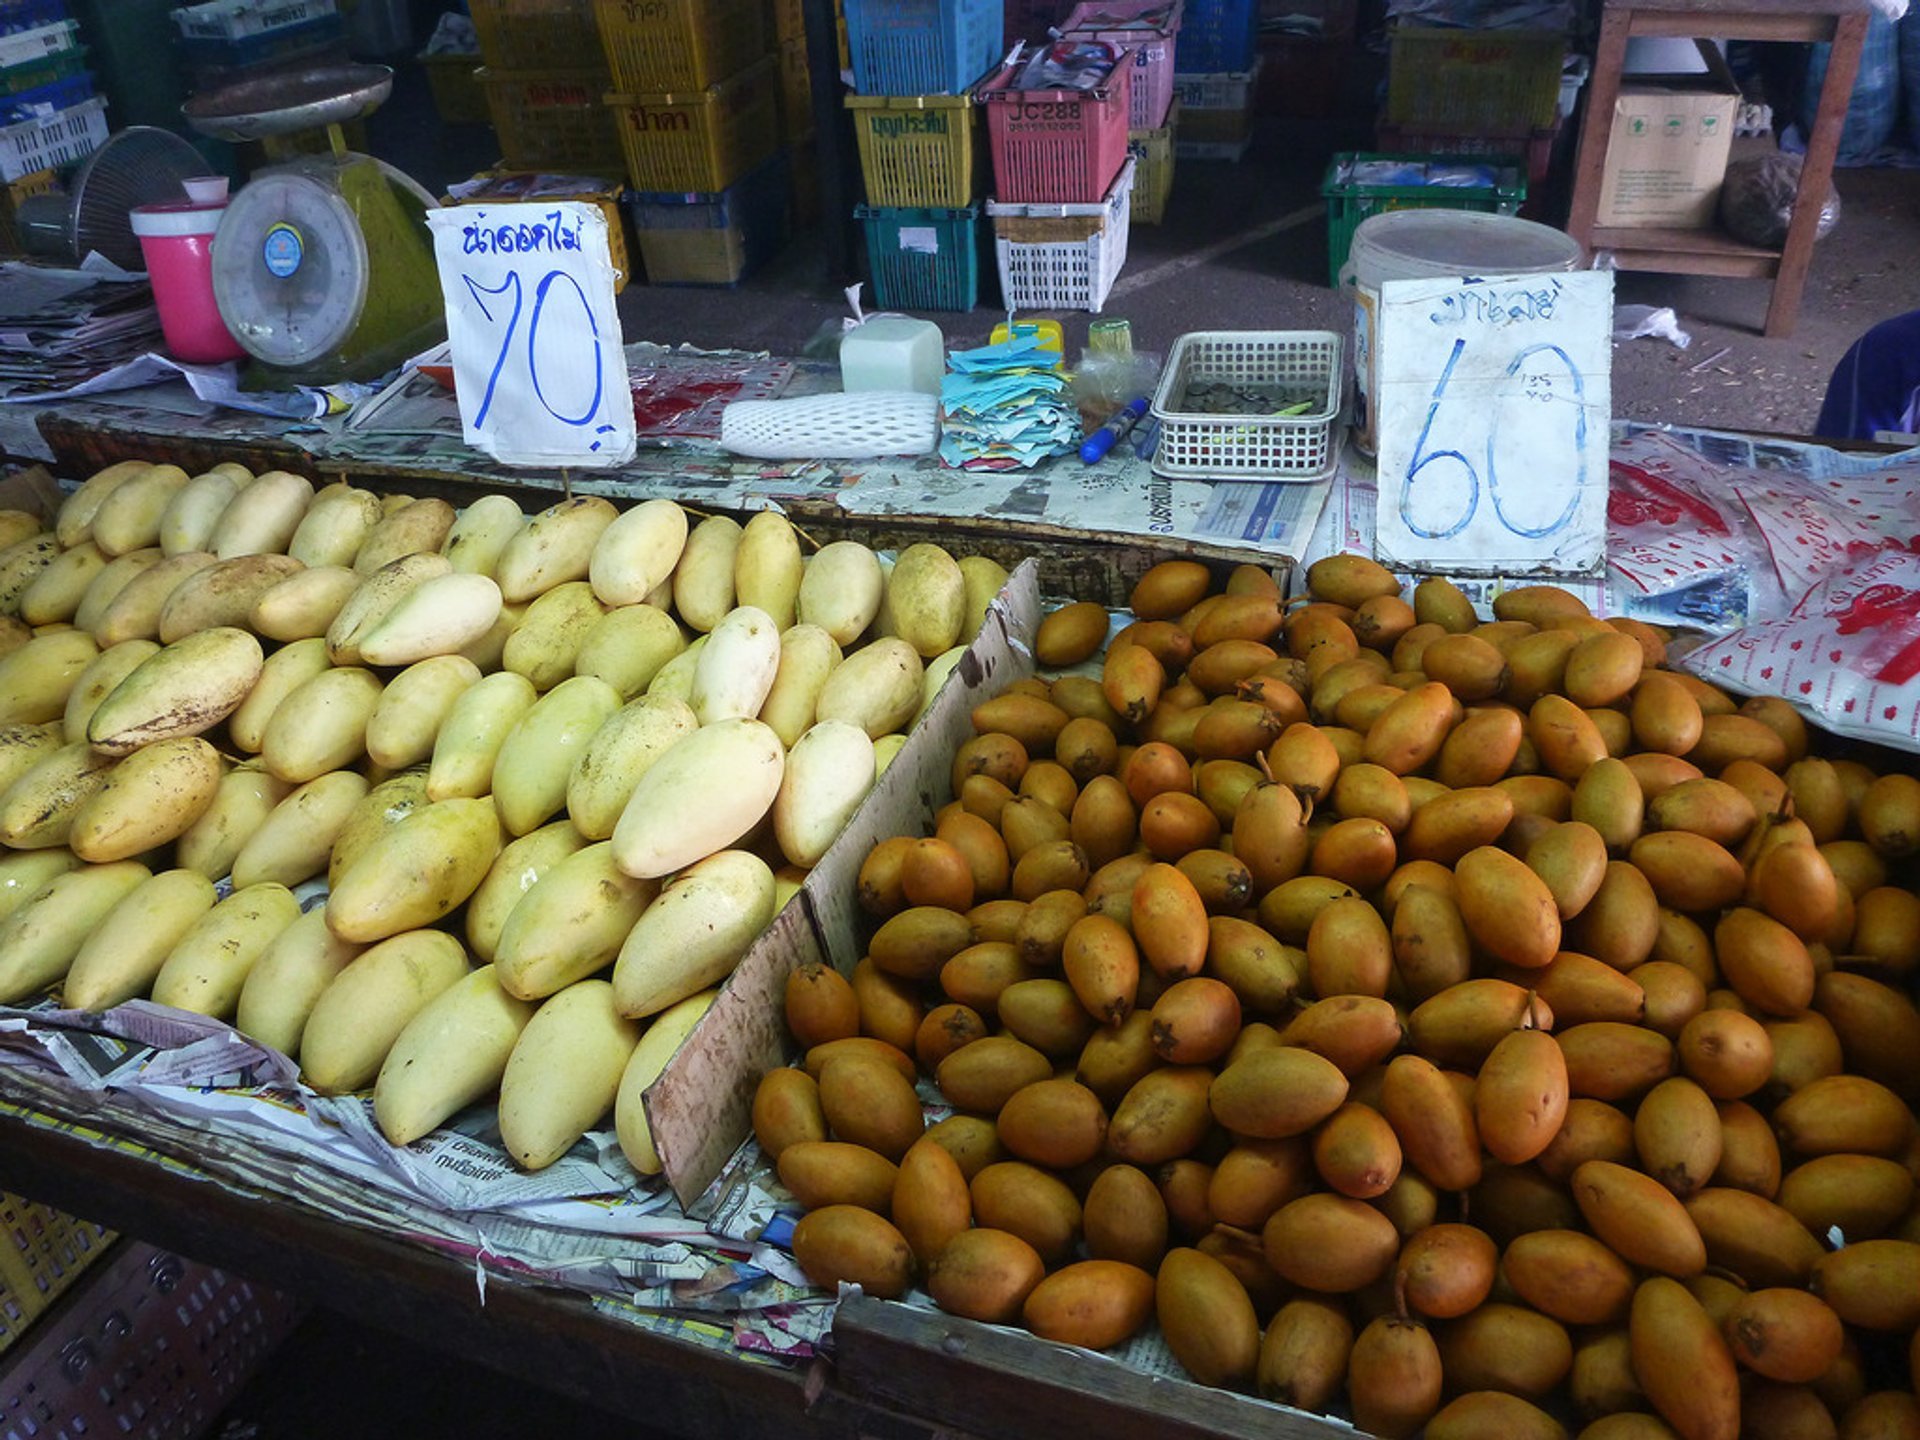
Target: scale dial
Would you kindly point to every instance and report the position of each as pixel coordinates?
(290, 267)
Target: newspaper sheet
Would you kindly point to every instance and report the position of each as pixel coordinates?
(194, 1095)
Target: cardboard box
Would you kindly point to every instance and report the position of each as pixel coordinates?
(1668, 152)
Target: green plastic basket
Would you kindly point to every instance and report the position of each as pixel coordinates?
(1349, 203)
(923, 258)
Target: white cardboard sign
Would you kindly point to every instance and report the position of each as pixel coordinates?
(537, 358)
(1494, 402)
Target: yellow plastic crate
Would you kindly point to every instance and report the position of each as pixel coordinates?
(42, 1252)
(1152, 152)
(796, 89)
(458, 96)
(657, 46)
(701, 141)
(11, 195)
(535, 34)
(553, 120)
(917, 151)
(1477, 82)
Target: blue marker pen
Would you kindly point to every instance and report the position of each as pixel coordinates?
(1102, 440)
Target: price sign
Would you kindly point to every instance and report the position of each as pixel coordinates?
(537, 358)
(1494, 405)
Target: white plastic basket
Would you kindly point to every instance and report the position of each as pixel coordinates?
(24, 46)
(1293, 366)
(237, 19)
(1063, 257)
(53, 140)
(1227, 90)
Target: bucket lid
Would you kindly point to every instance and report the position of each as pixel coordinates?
(1413, 244)
(176, 218)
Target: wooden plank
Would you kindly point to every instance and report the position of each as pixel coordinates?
(1719, 12)
(1816, 171)
(1790, 27)
(1596, 126)
(1014, 1386)
(1681, 242)
(551, 1339)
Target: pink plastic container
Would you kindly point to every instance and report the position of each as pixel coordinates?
(176, 238)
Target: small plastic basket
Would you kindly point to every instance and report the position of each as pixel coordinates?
(1118, 21)
(1057, 147)
(916, 150)
(656, 46)
(923, 259)
(1349, 202)
(552, 120)
(1289, 366)
(1490, 82)
(921, 47)
(147, 1345)
(54, 140)
(1217, 36)
(700, 141)
(1152, 152)
(1063, 257)
(535, 34)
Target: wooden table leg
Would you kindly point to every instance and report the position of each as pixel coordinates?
(1816, 173)
(1596, 125)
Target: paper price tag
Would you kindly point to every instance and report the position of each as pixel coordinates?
(1494, 398)
(537, 357)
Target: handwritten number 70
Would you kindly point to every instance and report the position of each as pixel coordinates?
(1469, 505)
(512, 284)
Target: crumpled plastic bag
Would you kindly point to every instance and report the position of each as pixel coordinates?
(1631, 322)
(1756, 200)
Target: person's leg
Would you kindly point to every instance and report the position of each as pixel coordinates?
(1874, 385)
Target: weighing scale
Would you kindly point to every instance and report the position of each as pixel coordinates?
(323, 266)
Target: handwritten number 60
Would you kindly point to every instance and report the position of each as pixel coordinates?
(1422, 457)
(512, 284)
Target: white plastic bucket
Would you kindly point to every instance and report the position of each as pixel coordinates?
(1436, 244)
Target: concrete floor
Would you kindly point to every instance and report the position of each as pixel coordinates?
(1244, 247)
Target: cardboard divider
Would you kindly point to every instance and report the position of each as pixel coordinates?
(699, 1108)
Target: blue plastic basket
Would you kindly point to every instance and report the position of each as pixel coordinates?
(55, 95)
(28, 14)
(922, 47)
(923, 259)
(714, 238)
(1216, 36)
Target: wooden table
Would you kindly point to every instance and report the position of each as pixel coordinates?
(1712, 252)
(897, 1373)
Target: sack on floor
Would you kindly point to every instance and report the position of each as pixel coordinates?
(1756, 200)
(1873, 114)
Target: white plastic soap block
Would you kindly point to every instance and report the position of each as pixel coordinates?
(893, 352)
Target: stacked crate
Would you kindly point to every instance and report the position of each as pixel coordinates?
(915, 118)
(1304, 45)
(1150, 29)
(49, 115)
(698, 100)
(546, 85)
(1217, 64)
(1063, 185)
(228, 42)
(1474, 92)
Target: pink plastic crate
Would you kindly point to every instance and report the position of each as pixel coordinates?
(1057, 146)
(1121, 22)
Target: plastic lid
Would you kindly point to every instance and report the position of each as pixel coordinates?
(1412, 244)
(176, 218)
